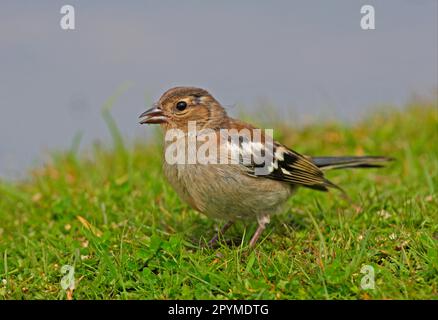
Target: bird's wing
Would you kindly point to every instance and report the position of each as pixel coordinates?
(279, 162)
(290, 166)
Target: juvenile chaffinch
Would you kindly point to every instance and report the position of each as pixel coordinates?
(236, 190)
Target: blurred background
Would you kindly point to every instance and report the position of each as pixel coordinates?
(303, 59)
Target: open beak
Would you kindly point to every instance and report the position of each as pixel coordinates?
(153, 115)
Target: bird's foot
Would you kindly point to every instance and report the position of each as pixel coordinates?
(212, 243)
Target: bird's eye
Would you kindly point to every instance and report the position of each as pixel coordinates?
(181, 105)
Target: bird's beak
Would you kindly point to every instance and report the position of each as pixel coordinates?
(153, 115)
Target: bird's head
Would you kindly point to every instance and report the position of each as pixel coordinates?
(179, 105)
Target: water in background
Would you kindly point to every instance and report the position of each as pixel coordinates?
(306, 58)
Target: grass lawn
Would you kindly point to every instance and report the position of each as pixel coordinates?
(111, 215)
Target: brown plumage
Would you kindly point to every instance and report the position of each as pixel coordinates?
(236, 191)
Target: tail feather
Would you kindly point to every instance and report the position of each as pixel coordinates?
(327, 163)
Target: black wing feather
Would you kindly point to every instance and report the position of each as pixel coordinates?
(292, 167)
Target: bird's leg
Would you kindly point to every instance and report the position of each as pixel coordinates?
(263, 220)
(225, 227)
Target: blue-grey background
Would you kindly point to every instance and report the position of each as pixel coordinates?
(307, 58)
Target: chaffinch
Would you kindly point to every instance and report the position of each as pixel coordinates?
(236, 190)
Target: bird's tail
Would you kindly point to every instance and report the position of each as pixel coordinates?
(327, 163)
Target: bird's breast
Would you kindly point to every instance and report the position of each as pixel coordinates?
(226, 191)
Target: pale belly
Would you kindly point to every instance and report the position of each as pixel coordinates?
(227, 194)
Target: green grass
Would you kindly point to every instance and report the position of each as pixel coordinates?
(111, 215)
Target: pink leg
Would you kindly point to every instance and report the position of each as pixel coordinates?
(263, 220)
